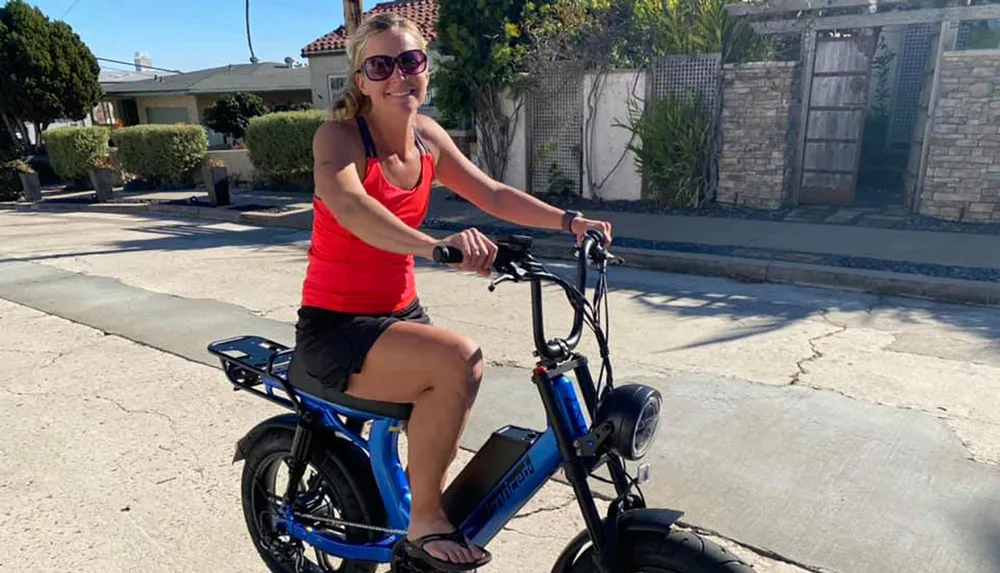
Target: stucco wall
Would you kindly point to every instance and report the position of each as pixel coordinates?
(604, 143)
(320, 67)
(238, 164)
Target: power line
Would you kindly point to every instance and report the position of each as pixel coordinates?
(139, 65)
(253, 57)
(70, 9)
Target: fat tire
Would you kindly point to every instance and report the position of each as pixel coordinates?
(358, 497)
(675, 551)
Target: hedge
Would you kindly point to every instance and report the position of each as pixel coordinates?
(280, 145)
(73, 149)
(161, 153)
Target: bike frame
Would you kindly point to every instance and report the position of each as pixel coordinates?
(567, 441)
(554, 447)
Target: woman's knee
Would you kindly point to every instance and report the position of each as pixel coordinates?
(465, 367)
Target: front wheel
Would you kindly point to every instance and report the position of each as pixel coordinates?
(670, 551)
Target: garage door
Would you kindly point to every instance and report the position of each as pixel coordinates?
(169, 115)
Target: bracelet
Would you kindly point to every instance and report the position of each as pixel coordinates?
(567, 221)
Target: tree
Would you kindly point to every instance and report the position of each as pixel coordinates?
(231, 113)
(482, 46)
(46, 71)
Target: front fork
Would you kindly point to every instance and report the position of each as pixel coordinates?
(603, 533)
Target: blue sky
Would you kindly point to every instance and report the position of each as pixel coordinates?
(194, 34)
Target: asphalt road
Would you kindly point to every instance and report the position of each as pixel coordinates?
(841, 431)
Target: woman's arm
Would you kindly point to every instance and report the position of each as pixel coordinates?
(339, 187)
(456, 172)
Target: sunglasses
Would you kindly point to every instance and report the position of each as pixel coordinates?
(379, 68)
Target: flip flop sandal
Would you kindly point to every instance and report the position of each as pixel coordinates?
(415, 550)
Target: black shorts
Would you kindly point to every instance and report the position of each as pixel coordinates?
(333, 345)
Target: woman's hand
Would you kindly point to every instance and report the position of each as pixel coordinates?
(478, 252)
(581, 225)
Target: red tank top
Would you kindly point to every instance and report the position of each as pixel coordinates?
(346, 274)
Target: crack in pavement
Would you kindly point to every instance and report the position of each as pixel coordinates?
(547, 509)
(816, 354)
(170, 421)
(763, 552)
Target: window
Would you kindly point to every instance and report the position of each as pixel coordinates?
(337, 83)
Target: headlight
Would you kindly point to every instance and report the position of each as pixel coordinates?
(634, 412)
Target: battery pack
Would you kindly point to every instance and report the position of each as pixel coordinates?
(485, 470)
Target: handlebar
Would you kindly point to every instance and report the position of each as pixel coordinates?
(515, 263)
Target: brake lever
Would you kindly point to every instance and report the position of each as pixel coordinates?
(499, 280)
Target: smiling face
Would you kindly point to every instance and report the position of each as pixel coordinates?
(393, 72)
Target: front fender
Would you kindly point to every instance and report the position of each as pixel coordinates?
(643, 519)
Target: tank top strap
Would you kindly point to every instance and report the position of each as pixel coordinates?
(424, 150)
(366, 137)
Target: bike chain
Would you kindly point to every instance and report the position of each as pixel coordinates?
(341, 522)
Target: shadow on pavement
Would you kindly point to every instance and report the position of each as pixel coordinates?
(187, 237)
(765, 307)
(772, 307)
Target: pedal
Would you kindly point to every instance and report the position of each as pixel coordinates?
(402, 563)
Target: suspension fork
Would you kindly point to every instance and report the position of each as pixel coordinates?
(576, 471)
(301, 444)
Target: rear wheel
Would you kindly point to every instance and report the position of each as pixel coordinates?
(324, 491)
(671, 551)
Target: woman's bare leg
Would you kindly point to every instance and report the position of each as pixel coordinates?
(439, 372)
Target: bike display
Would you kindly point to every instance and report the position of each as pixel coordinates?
(347, 495)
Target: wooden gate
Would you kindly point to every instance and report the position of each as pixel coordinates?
(838, 104)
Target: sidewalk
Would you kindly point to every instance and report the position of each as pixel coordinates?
(961, 267)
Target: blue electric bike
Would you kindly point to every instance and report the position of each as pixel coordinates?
(347, 494)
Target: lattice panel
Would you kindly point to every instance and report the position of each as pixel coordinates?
(964, 29)
(914, 50)
(557, 131)
(680, 75)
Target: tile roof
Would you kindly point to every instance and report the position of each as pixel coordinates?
(423, 12)
(259, 77)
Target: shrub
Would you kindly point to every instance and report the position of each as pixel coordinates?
(673, 151)
(162, 154)
(72, 150)
(280, 145)
(10, 183)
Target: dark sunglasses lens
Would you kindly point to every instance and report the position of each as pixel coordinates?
(413, 62)
(378, 67)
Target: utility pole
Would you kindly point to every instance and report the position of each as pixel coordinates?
(352, 15)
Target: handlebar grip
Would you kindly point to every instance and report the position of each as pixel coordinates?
(443, 254)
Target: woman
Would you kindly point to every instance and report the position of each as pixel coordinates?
(361, 328)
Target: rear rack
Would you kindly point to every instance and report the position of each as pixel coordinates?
(247, 360)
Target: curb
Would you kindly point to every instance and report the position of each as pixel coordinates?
(945, 290)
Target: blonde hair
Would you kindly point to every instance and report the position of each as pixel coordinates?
(352, 102)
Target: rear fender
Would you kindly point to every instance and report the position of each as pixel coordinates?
(633, 520)
(279, 423)
(334, 441)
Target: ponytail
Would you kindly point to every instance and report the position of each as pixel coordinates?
(351, 103)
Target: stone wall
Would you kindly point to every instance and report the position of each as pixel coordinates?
(963, 164)
(760, 102)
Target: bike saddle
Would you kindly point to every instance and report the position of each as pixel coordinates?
(299, 379)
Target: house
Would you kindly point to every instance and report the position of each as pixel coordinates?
(183, 97)
(328, 63)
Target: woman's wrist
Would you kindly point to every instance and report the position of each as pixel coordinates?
(569, 218)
